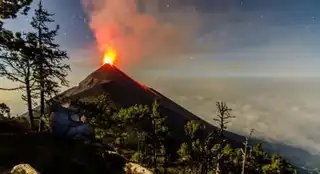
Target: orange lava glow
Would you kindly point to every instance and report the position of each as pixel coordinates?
(109, 56)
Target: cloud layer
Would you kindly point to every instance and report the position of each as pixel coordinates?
(282, 110)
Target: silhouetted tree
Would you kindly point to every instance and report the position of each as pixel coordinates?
(101, 111)
(223, 116)
(49, 67)
(9, 10)
(4, 110)
(17, 65)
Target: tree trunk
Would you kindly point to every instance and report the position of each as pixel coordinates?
(204, 164)
(155, 159)
(29, 103)
(217, 169)
(29, 97)
(42, 97)
(244, 159)
(139, 150)
(154, 146)
(42, 90)
(41, 71)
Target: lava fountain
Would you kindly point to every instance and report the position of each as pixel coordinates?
(109, 56)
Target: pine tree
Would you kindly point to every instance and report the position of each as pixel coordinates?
(223, 116)
(4, 110)
(101, 109)
(49, 64)
(158, 136)
(9, 10)
(196, 151)
(134, 118)
(17, 65)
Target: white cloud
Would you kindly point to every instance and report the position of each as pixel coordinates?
(279, 109)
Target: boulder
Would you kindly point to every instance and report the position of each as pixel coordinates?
(23, 169)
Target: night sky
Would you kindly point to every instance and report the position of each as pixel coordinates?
(250, 31)
(246, 38)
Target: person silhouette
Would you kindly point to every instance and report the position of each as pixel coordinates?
(69, 123)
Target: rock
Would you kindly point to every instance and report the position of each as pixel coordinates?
(133, 168)
(23, 169)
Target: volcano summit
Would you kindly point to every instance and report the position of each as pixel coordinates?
(126, 92)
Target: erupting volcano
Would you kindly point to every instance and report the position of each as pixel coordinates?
(126, 92)
(109, 56)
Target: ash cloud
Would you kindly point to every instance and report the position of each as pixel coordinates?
(142, 37)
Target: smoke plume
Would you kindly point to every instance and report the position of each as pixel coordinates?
(141, 37)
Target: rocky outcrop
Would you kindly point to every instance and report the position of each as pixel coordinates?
(23, 169)
(133, 168)
(130, 168)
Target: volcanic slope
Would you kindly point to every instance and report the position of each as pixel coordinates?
(125, 92)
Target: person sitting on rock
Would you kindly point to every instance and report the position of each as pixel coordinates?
(68, 123)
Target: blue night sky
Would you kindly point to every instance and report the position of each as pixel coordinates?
(242, 38)
(253, 32)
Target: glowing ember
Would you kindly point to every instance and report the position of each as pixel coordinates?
(109, 57)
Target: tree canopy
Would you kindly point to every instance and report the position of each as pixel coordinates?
(141, 133)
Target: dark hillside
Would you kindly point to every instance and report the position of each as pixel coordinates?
(125, 92)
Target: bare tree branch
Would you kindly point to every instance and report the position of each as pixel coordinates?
(244, 152)
(12, 89)
(223, 116)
